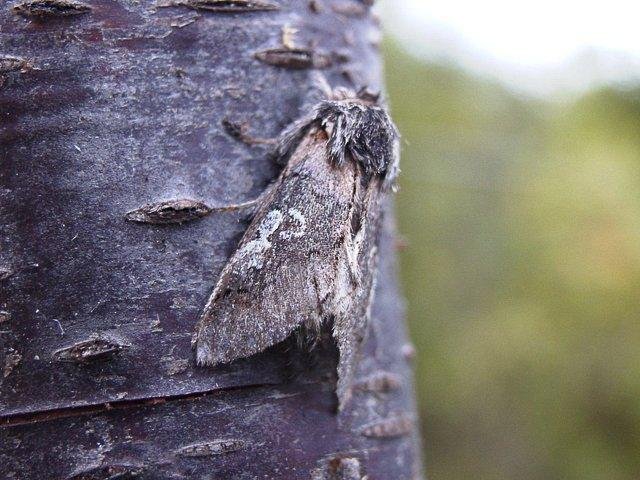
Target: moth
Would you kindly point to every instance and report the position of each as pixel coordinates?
(308, 257)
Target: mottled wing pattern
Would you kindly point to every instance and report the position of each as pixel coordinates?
(282, 274)
(355, 283)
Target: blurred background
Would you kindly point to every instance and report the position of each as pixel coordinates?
(520, 206)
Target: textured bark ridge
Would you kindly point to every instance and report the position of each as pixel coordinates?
(112, 116)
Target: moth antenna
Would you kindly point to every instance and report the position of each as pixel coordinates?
(367, 95)
(320, 83)
(342, 93)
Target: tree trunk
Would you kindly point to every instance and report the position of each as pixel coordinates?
(110, 105)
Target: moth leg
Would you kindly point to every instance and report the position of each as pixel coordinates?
(250, 206)
(236, 206)
(240, 131)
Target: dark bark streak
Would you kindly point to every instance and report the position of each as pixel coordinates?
(224, 6)
(67, 412)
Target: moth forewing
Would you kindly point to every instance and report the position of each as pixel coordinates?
(309, 254)
(283, 265)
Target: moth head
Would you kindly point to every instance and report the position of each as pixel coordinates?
(360, 129)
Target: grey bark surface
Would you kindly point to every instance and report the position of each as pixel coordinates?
(121, 104)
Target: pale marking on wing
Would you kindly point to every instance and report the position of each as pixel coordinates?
(255, 249)
(298, 217)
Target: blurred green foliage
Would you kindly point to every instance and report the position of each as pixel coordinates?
(522, 274)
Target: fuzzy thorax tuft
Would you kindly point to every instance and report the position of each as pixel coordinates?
(357, 129)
